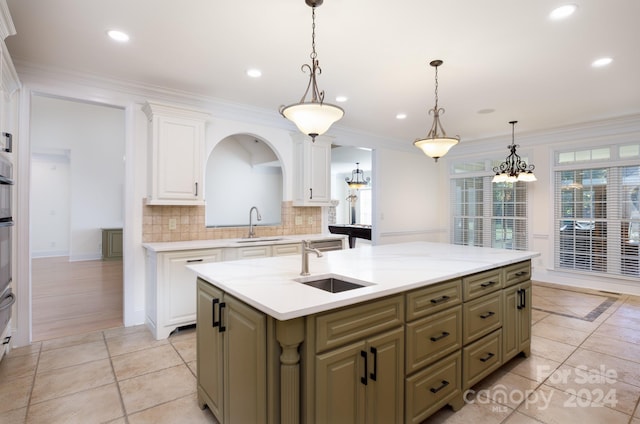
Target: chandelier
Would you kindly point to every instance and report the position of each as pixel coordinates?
(315, 116)
(436, 145)
(513, 168)
(357, 180)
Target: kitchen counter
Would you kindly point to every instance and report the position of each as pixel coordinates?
(237, 242)
(272, 285)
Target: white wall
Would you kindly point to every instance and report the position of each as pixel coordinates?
(93, 138)
(50, 198)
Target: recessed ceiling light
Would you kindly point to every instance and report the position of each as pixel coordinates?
(563, 12)
(119, 36)
(603, 61)
(341, 99)
(401, 116)
(254, 73)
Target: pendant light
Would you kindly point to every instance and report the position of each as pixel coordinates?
(357, 180)
(436, 145)
(314, 117)
(513, 168)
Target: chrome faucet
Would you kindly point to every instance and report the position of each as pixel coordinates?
(306, 248)
(252, 234)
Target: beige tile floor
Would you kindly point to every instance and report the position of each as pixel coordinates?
(584, 368)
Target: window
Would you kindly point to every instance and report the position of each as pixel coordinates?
(597, 211)
(484, 213)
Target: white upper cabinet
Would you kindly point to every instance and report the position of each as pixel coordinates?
(9, 83)
(312, 171)
(176, 155)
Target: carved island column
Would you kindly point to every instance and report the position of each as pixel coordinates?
(290, 334)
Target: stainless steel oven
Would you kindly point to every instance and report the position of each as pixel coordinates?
(7, 298)
(6, 222)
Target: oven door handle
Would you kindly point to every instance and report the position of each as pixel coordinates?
(6, 223)
(5, 304)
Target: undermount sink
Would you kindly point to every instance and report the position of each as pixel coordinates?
(331, 284)
(259, 239)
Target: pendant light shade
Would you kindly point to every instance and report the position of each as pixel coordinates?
(357, 180)
(313, 117)
(436, 144)
(513, 169)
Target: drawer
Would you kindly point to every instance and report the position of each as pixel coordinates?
(517, 273)
(432, 388)
(434, 298)
(481, 316)
(286, 249)
(432, 338)
(358, 322)
(479, 284)
(481, 358)
(253, 252)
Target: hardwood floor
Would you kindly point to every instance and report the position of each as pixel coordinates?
(74, 297)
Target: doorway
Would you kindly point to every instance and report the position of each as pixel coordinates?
(77, 190)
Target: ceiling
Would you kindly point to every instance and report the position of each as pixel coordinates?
(503, 59)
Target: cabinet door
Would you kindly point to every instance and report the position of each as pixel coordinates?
(179, 167)
(312, 169)
(209, 350)
(516, 329)
(340, 392)
(524, 319)
(180, 284)
(245, 363)
(385, 386)
(510, 343)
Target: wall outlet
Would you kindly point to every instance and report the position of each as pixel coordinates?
(172, 223)
(310, 220)
(298, 220)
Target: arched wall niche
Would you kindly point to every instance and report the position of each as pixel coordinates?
(243, 170)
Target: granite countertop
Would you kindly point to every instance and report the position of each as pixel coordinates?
(237, 242)
(272, 285)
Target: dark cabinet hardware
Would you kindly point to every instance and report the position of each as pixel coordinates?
(487, 315)
(440, 299)
(363, 379)
(521, 273)
(487, 284)
(440, 337)
(489, 356)
(310, 194)
(214, 302)
(222, 327)
(196, 189)
(522, 298)
(442, 385)
(374, 374)
(194, 260)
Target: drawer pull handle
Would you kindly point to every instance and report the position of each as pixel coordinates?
(444, 384)
(440, 299)
(222, 327)
(363, 379)
(194, 260)
(374, 374)
(214, 302)
(487, 284)
(521, 273)
(440, 337)
(489, 356)
(487, 315)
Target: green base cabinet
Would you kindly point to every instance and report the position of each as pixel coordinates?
(231, 349)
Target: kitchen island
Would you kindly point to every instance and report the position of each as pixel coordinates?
(428, 321)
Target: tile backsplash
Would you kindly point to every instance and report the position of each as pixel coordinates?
(190, 224)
